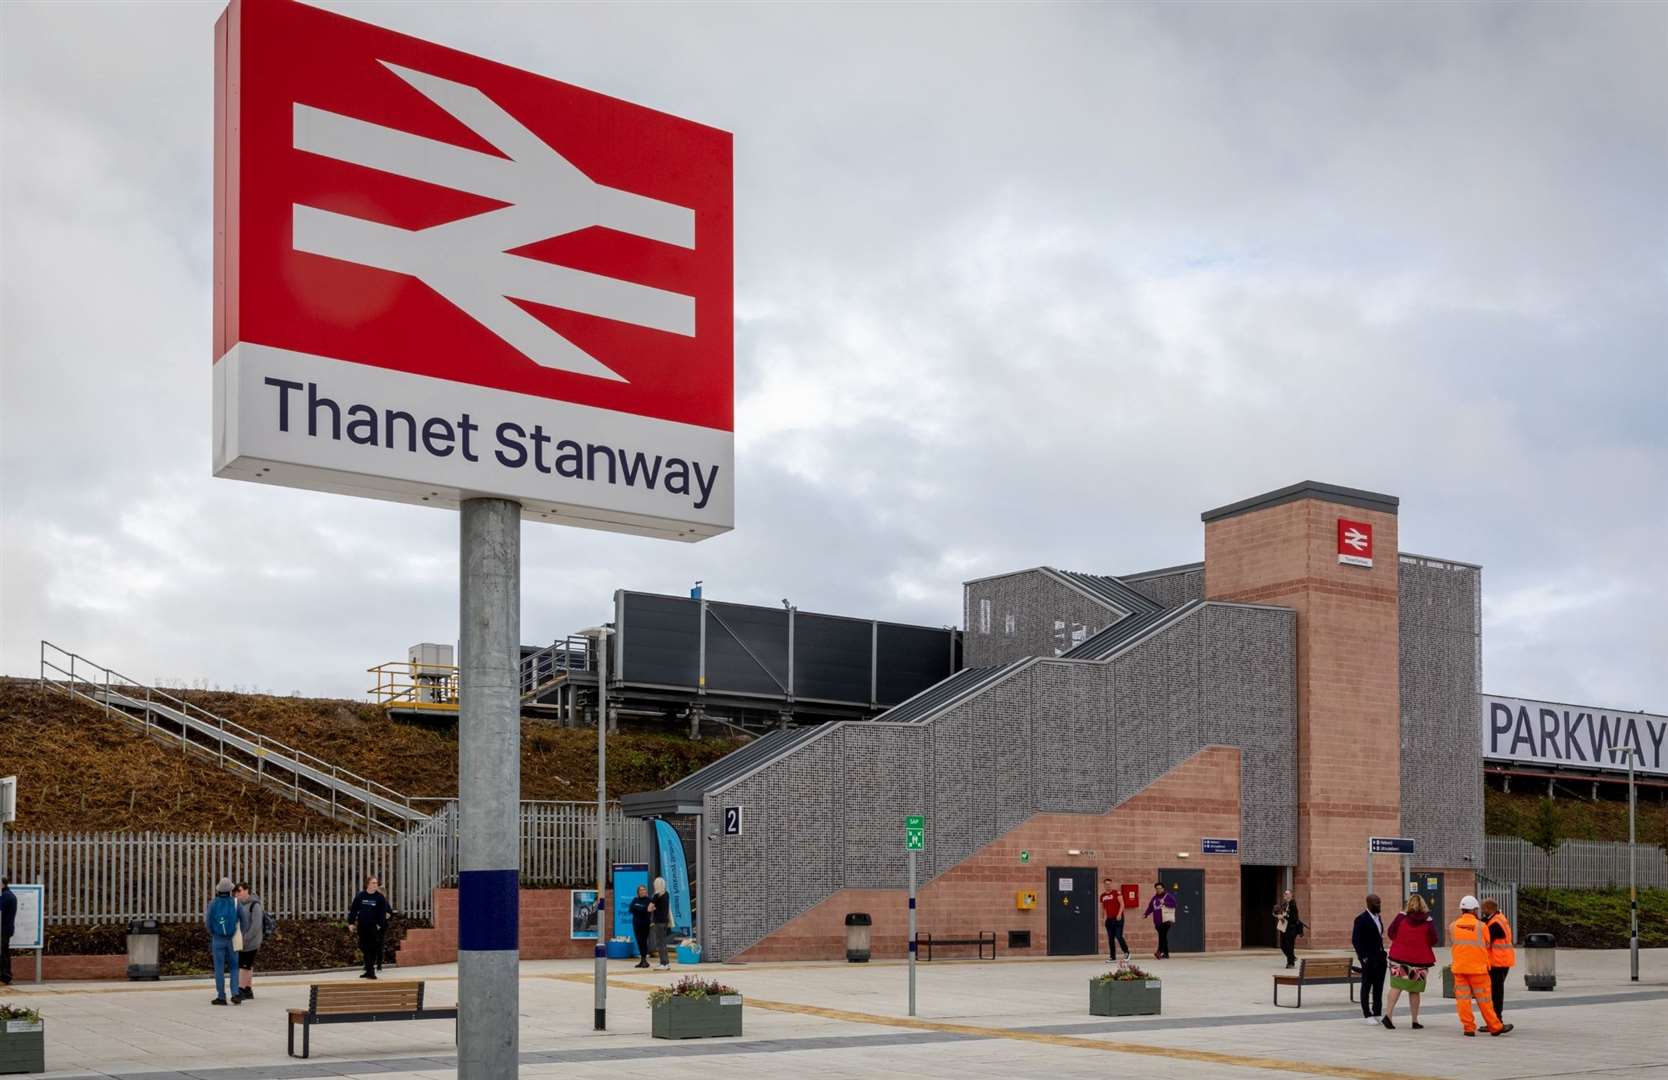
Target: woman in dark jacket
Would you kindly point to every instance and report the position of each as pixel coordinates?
(370, 913)
(640, 919)
(1412, 937)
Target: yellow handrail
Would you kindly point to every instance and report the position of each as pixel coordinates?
(407, 684)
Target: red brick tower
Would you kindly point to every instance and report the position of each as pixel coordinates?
(1284, 548)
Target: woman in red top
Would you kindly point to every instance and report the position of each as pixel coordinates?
(1412, 954)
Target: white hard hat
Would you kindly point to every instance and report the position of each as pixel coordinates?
(1468, 902)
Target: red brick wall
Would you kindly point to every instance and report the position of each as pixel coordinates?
(56, 968)
(1349, 724)
(1198, 798)
(545, 921)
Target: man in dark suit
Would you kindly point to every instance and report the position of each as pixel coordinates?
(8, 926)
(1368, 940)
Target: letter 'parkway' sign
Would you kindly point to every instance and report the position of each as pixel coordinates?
(438, 277)
(1572, 736)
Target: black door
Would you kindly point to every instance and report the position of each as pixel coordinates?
(1260, 888)
(1073, 907)
(1188, 935)
(1429, 885)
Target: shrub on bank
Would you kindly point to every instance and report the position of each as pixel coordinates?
(1592, 918)
(299, 945)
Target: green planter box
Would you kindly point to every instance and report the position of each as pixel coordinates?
(696, 1018)
(22, 1047)
(1124, 997)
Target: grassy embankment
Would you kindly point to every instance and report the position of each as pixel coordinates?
(79, 770)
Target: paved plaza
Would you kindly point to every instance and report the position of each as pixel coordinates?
(976, 1019)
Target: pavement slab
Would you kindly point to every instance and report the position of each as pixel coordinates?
(975, 1019)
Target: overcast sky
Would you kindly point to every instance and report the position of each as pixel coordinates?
(1015, 285)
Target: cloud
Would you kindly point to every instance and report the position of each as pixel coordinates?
(1025, 285)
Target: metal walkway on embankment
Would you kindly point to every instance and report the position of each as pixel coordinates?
(330, 789)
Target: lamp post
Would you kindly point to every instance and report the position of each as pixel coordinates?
(599, 634)
(1630, 754)
(1632, 872)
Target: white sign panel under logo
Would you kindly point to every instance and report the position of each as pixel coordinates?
(1572, 736)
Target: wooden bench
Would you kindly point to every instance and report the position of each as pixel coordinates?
(984, 938)
(1317, 971)
(361, 1003)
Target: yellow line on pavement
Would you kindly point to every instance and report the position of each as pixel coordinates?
(1209, 1057)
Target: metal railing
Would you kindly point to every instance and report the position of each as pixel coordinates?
(99, 877)
(551, 665)
(1579, 864)
(341, 793)
(407, 684)
(114, 877)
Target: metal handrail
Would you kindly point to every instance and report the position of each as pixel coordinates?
(199, 718)
(424, 686)
(555, 662)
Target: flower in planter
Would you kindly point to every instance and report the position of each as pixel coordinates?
(691, 987)
(1126, 973)
(17, 1012)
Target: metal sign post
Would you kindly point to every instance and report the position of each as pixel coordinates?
(489, 789)
(914, 832)
(599, 634)
(1388, 845)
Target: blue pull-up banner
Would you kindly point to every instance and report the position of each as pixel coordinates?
(675, 870)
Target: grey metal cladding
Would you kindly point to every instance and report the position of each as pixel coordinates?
(884, 783)
(1307, 489)
(1110, 589)
(1069, 741)
(1035, 601)
(1069, 736)
(1173, 589)
(1440, 661)
(1249, 690)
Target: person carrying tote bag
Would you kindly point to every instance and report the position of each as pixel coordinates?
(1162, 910)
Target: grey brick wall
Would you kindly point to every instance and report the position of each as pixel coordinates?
(1172, 589)
(1440, 632)
(1030, 614)
(1057, 735)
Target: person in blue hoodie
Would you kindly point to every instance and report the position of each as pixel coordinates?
(222, 922)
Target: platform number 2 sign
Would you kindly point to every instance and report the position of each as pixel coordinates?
(732, 821)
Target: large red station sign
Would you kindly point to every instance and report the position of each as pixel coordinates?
(439, 277)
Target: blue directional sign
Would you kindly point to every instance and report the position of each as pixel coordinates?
(1390, 845)
(1216, 845)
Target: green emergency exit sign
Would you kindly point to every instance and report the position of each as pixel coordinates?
(915, 826)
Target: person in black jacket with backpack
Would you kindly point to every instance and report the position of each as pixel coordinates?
(370, 914)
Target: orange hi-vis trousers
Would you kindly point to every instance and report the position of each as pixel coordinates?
(1467, 987)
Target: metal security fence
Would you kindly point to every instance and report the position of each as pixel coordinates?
(112, 877)
(558, 846)
(1579, 864)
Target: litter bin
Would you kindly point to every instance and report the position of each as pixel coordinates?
(144, 950)
(859, 933)
(1540, 962)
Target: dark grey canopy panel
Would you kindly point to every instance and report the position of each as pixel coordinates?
(835, 659)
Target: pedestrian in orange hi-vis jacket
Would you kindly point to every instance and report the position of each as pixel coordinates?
(1470, 965)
